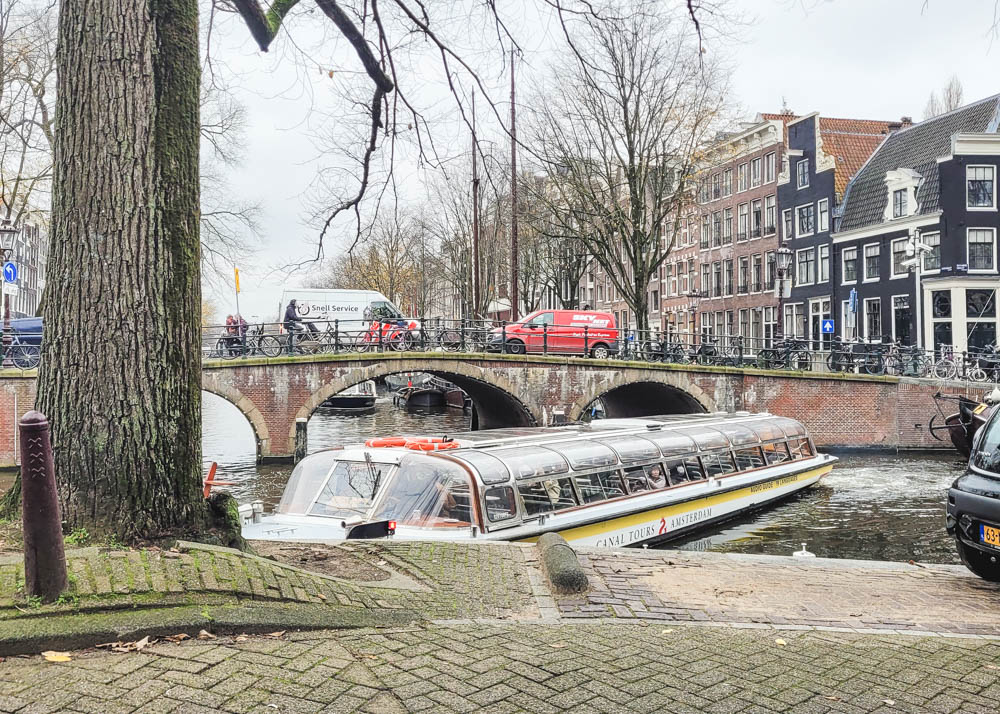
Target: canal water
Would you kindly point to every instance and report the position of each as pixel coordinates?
(872, 506)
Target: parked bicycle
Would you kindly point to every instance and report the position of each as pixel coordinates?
(785, 354)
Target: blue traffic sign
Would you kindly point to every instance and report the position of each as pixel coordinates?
(827, 327)
(852, 303)
(9, 272)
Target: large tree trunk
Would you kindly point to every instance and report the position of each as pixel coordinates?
(120, 376)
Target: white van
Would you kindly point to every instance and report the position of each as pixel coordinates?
(353, 308)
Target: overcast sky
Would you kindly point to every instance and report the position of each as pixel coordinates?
(868, 59)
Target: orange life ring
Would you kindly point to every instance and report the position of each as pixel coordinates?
(424, 440)
(427, 446)
(386, 441)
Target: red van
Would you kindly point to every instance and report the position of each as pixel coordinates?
(580, 332)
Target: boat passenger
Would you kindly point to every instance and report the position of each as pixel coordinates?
(656, 477)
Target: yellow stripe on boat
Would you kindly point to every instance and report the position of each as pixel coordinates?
(679, 509)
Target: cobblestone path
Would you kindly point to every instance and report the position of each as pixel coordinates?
(606, 667)
(711, 587)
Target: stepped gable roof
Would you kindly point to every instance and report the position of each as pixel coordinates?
(850, 142)
(916, 147)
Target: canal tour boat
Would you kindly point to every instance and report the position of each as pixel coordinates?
(610, 483)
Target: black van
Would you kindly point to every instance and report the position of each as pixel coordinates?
(973, 515)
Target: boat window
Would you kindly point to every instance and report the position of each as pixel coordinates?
(491, 469)
(670, 443)
(426, 492)
(633, 448)
(718, 463)
(635, 479)
(747, 459)
(306, 480)
(531, 461)
(350, 490)
(776, 453)
(694, 470)
(599, 486)
(791, 427)
(500, 504)
(706, 438)
(656, 475)
(546, 496)
(799, 448)
(676, 471)
(738, 434)
(767, 430)
(586, 454)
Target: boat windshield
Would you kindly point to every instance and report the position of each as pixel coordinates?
(306, 480)
(426, 492)
(350, 489)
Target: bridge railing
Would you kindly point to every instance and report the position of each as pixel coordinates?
(830, 354)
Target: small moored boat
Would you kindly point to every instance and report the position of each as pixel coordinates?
(359, 396)
(614, 482)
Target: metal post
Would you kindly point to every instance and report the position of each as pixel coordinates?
(503, 338)
(336, 336)
(586, 340)
(8, 335)
(301, 440)
(44, 557)
(476, 291)
(461, 326)
(545, 339)
(513, 199)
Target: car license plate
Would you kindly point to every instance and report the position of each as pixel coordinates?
(989, 535)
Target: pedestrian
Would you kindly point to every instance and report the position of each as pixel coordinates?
(232, 334)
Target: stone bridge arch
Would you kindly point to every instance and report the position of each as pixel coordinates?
(644, 392)
(261, 434)
(496, 399)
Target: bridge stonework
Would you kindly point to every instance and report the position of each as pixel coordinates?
(508, 390)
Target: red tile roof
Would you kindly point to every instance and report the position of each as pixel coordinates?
(850, 142)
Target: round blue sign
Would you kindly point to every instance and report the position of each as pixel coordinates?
(9, 272)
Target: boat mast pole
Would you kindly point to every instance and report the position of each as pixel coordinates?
(476, 289)
(513, 199)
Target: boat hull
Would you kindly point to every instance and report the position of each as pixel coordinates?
(349, 402)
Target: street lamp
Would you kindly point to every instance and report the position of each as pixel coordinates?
(8, 233)
(693, 304)
(782, 264)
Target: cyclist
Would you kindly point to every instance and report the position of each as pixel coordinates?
(293, 323)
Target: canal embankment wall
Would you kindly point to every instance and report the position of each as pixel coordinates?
(841, 411)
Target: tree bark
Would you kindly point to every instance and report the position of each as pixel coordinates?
(121, 375)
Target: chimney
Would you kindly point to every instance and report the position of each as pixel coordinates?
(906, 121)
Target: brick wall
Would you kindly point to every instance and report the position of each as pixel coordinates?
(844, 412)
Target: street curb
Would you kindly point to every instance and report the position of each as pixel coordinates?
(561, 564)
(73, 632)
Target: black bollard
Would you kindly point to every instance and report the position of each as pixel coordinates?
(44, 557)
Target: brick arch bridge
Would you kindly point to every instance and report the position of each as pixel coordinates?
(507, 390)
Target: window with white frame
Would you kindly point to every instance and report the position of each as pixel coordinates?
(849, 268)
(932, 258)
(806, 262)
(979, 184)
(786, 221)
(802, 173)
(741, 177)
(743, 276)
(716, 229)
(769, 215)
(670, 279)
(824, 264)
(755, 218)
(795, 320)
(898, 256)
(716, 186)
(770, 323)
(727, 182)
(871, 261)
(982, 249)
(899, 203)
(706, 271)
(769, 167)
(769, 270)
(758, 274)
(873, 318)
(727, 226)
(824, 215)
(705, 232)
(755, 172)
(805, 219)
(745, 322)
(743, 219)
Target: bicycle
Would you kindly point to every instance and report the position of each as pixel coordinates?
(948, 365)
(22, 355)
(906, 361)
(786, 354)
(393, 334)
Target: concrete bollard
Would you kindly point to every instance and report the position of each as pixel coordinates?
(301, 443)
(44, 557)
(561, 565)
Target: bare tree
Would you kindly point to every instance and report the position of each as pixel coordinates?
(950, 99)
(619, 131)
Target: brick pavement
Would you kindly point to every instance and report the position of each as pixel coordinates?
(815, 592)
(601, 667)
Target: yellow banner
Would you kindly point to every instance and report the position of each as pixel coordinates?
(237, 273)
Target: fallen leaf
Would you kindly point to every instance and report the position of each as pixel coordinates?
(275, 635)
(992, 666)
(833, 699)
(381, 562)
(52, 656)
(141, 643)
(557, 645)
(321, 596)
(890, 702)
(205, 635)
(780, 642)
(666, 632)
(331, 77)
(242, 638)
(179, 637)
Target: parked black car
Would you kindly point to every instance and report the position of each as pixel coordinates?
(973, 515)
